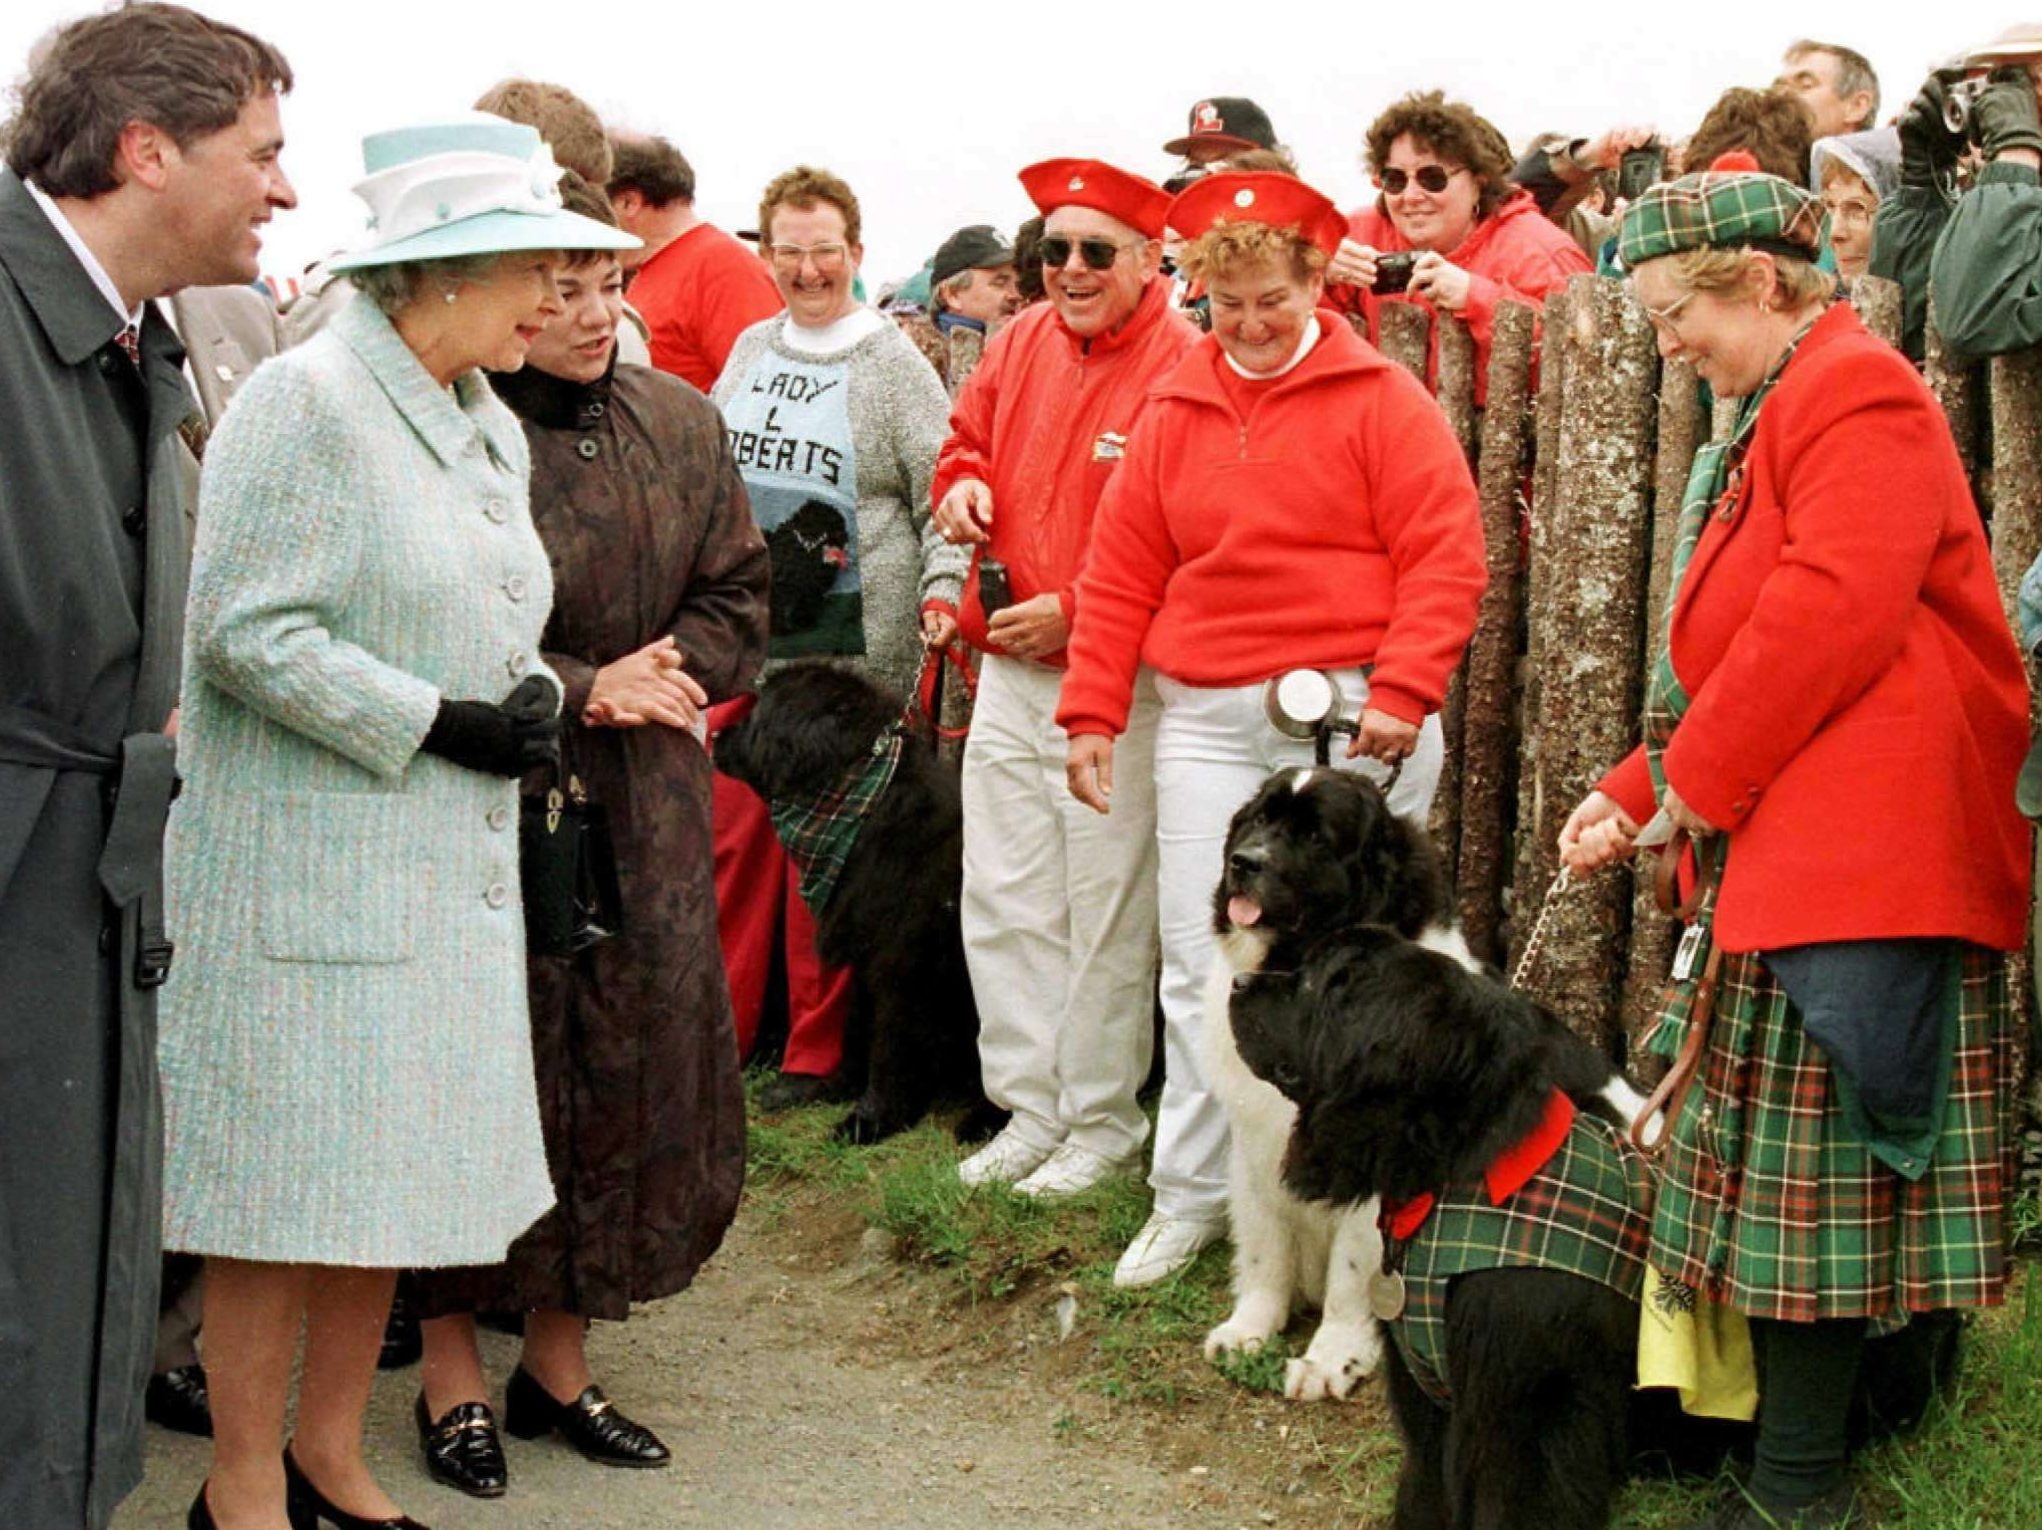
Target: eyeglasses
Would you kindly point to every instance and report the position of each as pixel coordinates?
(1665, 318)
(1098, 254)
(1849, 214)
(1432, 178)
(827, 257)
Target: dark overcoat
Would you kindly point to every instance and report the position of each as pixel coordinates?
(94, 484)
(649, 532)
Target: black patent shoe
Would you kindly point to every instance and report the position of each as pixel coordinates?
(309, 1508)
(591, 1423)
(201, 1515)
(462, 1448)
(177, 1399)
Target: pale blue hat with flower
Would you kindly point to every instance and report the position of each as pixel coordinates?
(471, 185)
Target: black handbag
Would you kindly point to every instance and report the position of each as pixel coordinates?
(568, 866)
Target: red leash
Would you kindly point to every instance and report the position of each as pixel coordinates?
(928, 697)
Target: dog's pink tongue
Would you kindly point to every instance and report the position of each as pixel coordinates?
(1244, 911)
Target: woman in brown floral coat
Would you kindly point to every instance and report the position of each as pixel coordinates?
(660, 608)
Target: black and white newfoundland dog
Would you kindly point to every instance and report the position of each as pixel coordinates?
(1312, 855)
(893, 919)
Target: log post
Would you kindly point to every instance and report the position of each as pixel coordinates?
(1545, 552)
(1959, 386)
(1683, 428)
(1878, 303)
(1592, 612)
(966, 347)
(2016, 383)
(1489, 725)
(1456, 396)
(1405, 335)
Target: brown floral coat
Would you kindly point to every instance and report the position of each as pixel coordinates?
(645, 520)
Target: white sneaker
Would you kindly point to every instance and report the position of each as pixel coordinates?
(1164, 1246)
(1008, 1157)
(1072, 1170)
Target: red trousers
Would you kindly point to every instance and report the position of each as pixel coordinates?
(758, 906)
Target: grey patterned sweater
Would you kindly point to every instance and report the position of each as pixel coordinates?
(787, 432)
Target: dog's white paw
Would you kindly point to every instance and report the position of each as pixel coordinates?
(1235, 1338)
(1338, 1360)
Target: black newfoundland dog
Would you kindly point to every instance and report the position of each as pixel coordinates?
(1411, 1069)
(913, 1036)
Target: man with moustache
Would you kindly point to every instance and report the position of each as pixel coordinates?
(142, 158)
(1059, 905)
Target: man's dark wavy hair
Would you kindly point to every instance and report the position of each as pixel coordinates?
(162, 64)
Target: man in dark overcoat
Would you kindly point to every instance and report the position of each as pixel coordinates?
(143, 158)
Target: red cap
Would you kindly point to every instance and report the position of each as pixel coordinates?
(1736, 159)
(1092, 183)
(1258, 196)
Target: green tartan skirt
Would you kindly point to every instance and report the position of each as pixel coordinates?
(1772, 1205)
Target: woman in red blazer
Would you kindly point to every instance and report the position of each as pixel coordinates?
(1837, 717)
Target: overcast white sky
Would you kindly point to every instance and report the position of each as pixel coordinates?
(927, 109)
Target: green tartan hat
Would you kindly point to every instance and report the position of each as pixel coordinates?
(1722, 208)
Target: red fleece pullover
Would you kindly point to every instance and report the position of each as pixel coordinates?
(1044, 422)
(1336, 524)
(697, 295)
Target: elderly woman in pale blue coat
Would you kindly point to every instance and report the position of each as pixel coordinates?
(346, 1059)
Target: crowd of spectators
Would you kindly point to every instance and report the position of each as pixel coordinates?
(546, 470)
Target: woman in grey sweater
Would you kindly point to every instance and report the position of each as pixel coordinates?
(834, 420)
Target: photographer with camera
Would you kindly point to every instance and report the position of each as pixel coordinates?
(1980, 252)
(1468, 238)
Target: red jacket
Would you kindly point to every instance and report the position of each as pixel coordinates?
(1859, 708)
(697, 295)
(1335, 525)
(1044, 421)
(1516, 252)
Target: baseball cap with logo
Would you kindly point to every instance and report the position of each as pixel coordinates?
(972, 248)
(1225, 122)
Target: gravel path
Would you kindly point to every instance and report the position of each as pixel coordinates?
(788, 1401)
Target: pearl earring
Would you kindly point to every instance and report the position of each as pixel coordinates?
(450, 296)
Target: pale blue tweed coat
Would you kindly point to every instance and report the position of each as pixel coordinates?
(347, 1060)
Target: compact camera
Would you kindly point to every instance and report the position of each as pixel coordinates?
(1393, 272)
(995, 594)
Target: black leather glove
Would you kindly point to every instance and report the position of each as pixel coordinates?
(1928, 149)
(504, 738)
(2004, 115)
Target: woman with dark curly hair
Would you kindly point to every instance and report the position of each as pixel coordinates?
(1444, 176)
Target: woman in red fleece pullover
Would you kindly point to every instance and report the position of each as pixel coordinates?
(1290, 499)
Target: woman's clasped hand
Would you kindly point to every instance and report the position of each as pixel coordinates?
(647, 686)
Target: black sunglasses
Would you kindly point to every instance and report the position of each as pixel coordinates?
(1098, 254)
(1432, 178)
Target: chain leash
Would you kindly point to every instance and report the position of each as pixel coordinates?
(1536, 941)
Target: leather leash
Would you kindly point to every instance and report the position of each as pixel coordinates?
(1663, 1107)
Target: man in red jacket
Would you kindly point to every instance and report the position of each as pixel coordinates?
(695, 286)
(1059, 903)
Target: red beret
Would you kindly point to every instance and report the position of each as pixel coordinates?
(1262, 196)
(1092, 183)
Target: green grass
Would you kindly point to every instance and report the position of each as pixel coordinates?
(1970, 1467)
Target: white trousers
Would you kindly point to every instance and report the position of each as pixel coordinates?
(1214, 749)
(1059, 915)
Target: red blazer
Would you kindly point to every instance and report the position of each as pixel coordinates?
(1859, 707)
(1334, 525)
